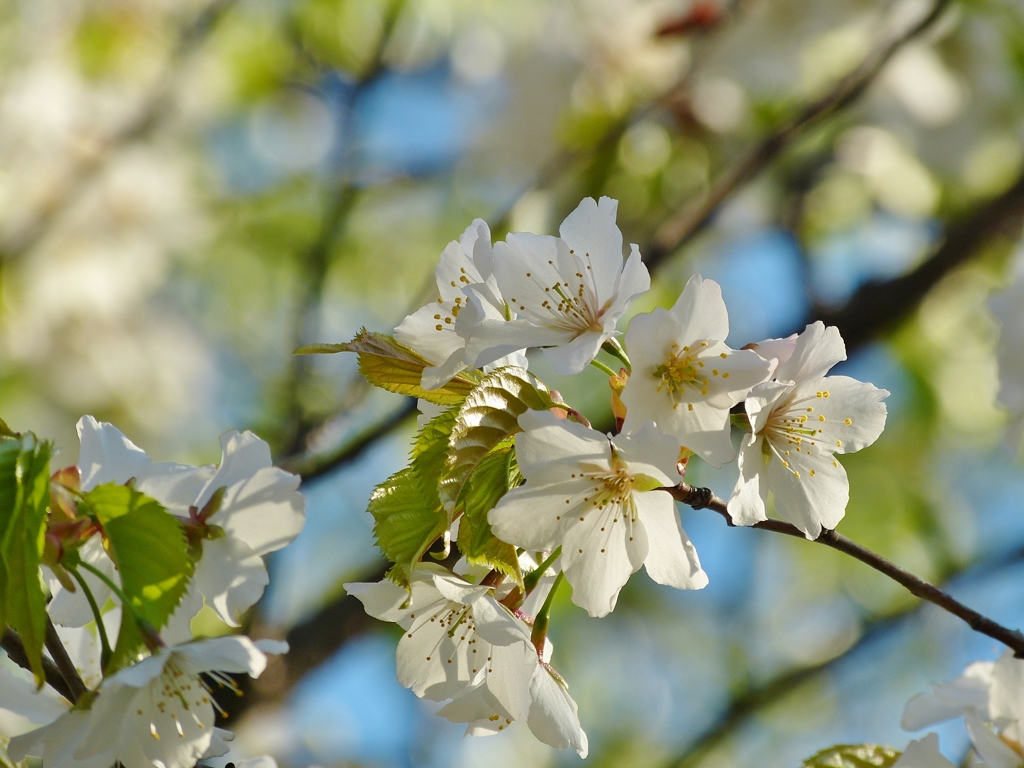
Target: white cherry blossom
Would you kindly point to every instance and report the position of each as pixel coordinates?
(157, 712)
(923, 753)
(568, 292)
(594, 496)
(798, 423)
(461, 645)
(260, 512)
(431, 330)
(684, 376)
(458, 642)
(989, 696)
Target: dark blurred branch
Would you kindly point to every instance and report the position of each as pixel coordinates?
(689, 221)
(703, 498)
(311, 466)
(754, 699)
(877, 307)
(139, 127)
(11, 643)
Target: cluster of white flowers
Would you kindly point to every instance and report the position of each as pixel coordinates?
(989, 696)
(600, 503)
(158, 711)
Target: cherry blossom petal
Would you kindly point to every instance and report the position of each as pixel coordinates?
(992, 750)
(671, 557)
(599, 554)
(546, 439)
(553, 717)
(570, 359)
(748, 503)
(591, 232)
(426, 331)
(537, 517)
(650, 452)
(231, 576)
(923, 754)
(969, 691)
(811, 492)
(850, 414)
(817, 349)
(107, 455)
(700, 311)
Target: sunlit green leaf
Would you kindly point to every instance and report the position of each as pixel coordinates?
(488, 416)
(396, 368)
(150, 550)
(24, 495)
(854, 756)
(406, 523)
(486, 485)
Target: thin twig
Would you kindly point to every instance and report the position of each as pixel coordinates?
(703, 498)
(685, 224)
(756, 698)
(64, 663)
(11, 643)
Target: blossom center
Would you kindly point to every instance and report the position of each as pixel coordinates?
(680, 370)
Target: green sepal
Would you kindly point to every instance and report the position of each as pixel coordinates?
(24, 498)
(150, 549)
(396, 368)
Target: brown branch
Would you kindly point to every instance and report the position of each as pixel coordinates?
(140, 126)
(743, 706)
(688, 222)
(703, 498)
(11, 643)
(878, 306)
(64, 663)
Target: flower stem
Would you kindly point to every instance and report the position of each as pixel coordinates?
(64, 663)
(704, 498)
(614, 348)
(602, 367)
(533, 578)
(94, 607)
(540, 624)
(149, 633)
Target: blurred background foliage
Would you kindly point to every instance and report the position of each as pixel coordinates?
(190, 189)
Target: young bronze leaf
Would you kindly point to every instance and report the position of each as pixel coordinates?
(396, 368)
(488, 416)
(148, 546)
(854, 756)
(24, 495)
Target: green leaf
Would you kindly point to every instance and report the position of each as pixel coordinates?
(407, 512)
(24, 496)
(486, 485)
(854, 756)
(489, 415)
(406, 522)
(149, 547)
(396, 368)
